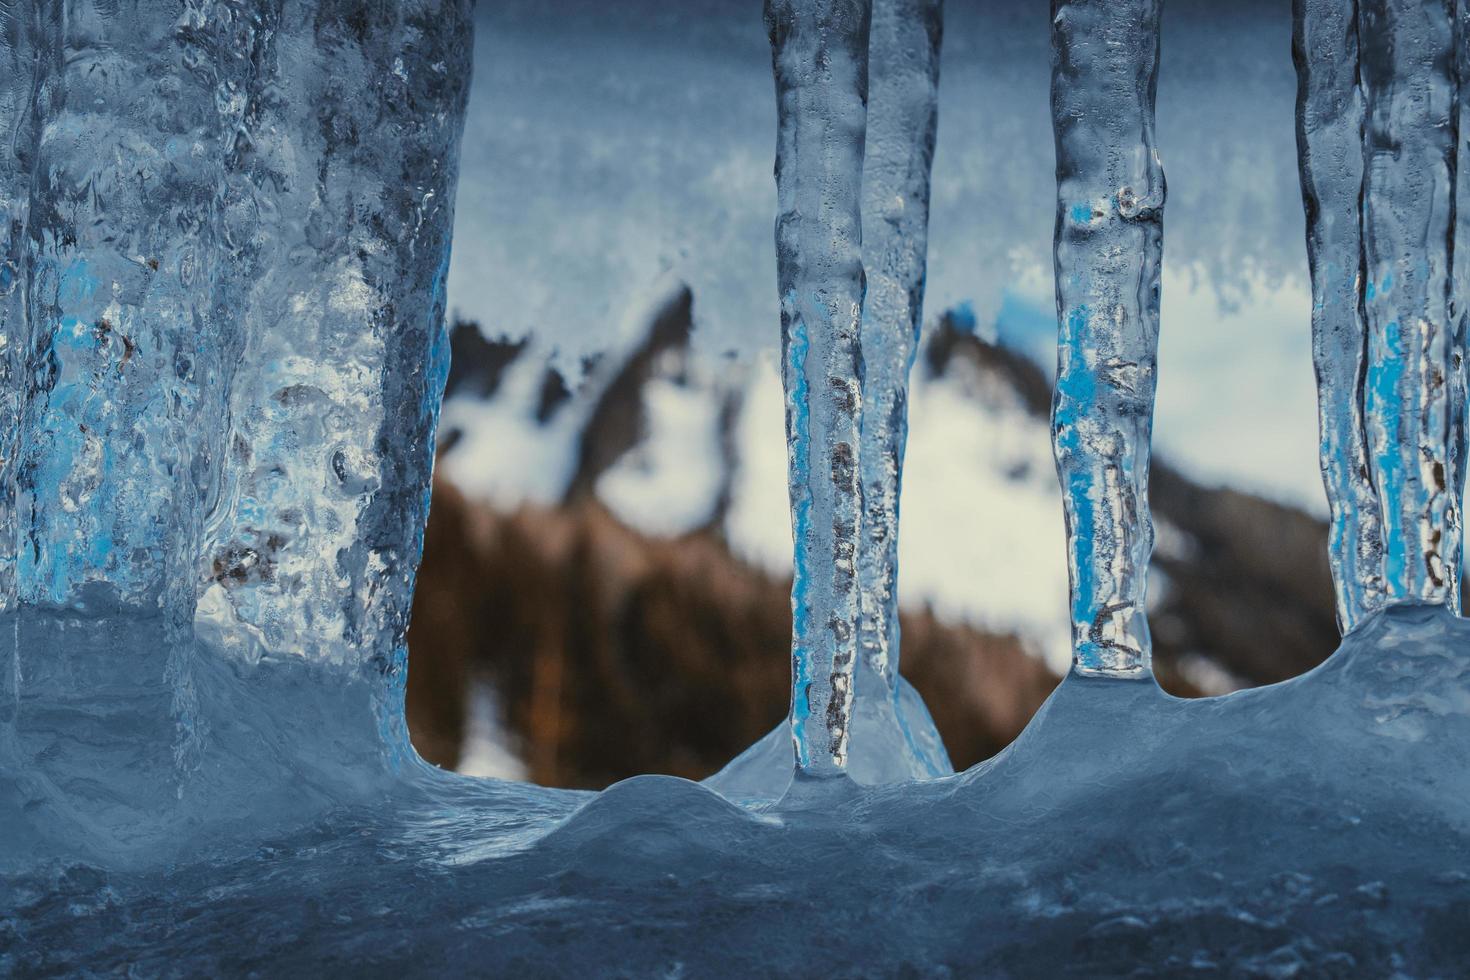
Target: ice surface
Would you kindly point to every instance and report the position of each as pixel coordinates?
(1312, 828)
(118, 345)
(903, 105)
(342, 201)
(1407, 70)
(1109, 245)
(852, 304)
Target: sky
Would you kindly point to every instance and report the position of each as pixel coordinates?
(611, 146)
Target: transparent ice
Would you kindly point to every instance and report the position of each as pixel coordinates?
(888, 734)
(222, 284)
(1378, 116)
(1109, 248)
(819, 49)
(903, 109)
(1330, 151)
(229, 229)
(1406, 58)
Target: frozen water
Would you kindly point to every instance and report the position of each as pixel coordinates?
(91, 744)
(903, 105)
(1330, 151)
(820, 55)
(341, 200)
(120, 342)
(845, 491)
(1377, 121)
(1407, 71)
(1268, 833)
(229, 789)
(224, 337)
(1109, 245)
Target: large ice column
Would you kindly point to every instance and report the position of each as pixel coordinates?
(1109, 231)
(228, 229)
(1407, 70)
(23, 30)
(120, 340)
(1329, 123)
(347, 176)
(24, 46)
(820, 58)
(120, 123)
(903, 86)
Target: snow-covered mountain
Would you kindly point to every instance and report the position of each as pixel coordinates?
(673, 441)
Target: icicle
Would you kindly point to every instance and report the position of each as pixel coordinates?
(1329, 121)
(26, 38)
(820, 58)
(313, 547)
(117, 348)
(25, 41)
(1110, 201)
(123, 350)
(1459, 438)
(902, 118)
(1407, 70)
(890, 734)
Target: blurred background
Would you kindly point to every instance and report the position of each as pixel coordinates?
(605, 585)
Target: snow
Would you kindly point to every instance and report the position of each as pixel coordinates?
(667, 484)
(505, 455)
(488, 751)
(982, 538)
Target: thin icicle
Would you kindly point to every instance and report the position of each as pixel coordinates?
(1459, 438)
(1407, 73)
(902, 118)
(820, 58)
(1329, 123)
(1109, 236)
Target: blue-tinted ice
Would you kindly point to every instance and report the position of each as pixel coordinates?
(845, 651)
(1313, 828)
(222, 348)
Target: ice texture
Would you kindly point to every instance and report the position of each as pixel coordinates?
(1330, 153)
(1407, 71)
(342, 201)
(1109, 246)
(1311, 828)
(886, 731)
(122, 338)
(903, 116)
(819, 52)
(229, 789)
(1378, 132)
(228, 231)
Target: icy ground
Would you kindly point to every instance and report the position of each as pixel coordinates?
(1313, 828)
